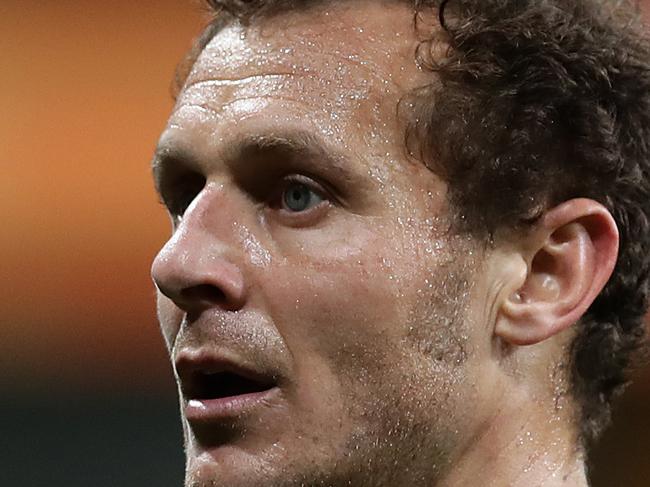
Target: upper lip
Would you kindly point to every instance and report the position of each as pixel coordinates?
(194, 365)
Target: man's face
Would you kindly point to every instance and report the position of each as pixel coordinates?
(314, 302)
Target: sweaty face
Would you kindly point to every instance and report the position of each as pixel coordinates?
(313, 300)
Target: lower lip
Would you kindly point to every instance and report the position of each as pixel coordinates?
(207, 410)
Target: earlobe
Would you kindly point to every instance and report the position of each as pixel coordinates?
(570, 255)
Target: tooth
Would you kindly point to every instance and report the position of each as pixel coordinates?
(193, 403)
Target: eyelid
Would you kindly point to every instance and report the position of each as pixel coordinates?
(276, 198)
(323, 190)
(301, 178)
(307, 218)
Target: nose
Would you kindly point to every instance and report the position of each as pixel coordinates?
(196, 268)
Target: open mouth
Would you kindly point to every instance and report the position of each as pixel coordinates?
(220, 385)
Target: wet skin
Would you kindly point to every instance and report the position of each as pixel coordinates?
(308, 249)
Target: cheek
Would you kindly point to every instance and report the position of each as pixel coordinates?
(338, 300)
(334, 305)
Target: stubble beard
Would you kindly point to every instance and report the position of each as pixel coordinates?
(409, 426)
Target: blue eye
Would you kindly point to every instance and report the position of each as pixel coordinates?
(299, 197)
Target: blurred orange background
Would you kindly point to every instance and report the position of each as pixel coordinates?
(84, 93)
(84, 98)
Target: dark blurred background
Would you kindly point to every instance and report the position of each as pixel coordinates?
(87, 397)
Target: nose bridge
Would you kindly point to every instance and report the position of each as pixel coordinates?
(199, 265)
(204, 232)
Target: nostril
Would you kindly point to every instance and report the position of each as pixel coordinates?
(203, 293)
(195, 287)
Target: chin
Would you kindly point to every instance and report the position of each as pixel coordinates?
(271, 465)
(225, 466)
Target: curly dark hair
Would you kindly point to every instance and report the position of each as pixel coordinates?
(544, 101)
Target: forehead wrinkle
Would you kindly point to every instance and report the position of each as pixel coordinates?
(216, 110)
(216, 95)
(235, 80)
(337, 65)
(289, 58)
(221, 93)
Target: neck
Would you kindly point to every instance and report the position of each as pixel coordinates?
(522, 446)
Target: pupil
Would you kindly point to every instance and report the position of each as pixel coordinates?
(298, 197)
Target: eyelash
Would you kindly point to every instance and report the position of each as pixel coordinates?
(297, 219)
(306, 181)
(187, 188)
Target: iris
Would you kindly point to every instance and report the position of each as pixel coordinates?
(299, 197)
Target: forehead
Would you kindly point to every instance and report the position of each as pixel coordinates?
(377, 37)
(334, 69)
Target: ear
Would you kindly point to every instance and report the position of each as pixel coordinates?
(570, 256)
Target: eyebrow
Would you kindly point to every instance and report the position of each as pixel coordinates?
(294, 143)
